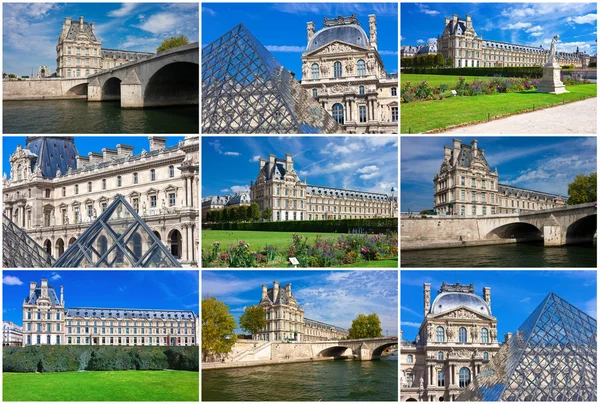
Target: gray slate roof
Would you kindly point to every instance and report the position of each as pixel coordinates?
(516, 191)
(74, 30)
(446, 301)
(316, 190)
(352, 34)
(33, 298)
(147, 314)
(124, 54)
(282, 297)
(53, 153)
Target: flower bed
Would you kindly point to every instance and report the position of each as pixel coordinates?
(322, 252)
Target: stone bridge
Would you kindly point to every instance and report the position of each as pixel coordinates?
(166, 78)
(575, 224)
(364, 349)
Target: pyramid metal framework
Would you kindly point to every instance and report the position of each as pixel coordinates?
(21, 251)
(246, 90)
(552, 357)
(118, 238)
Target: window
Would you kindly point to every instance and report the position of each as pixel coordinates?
(462, 334)
(315, 71)
(409, 379)
(362, 112)
(486, 356)
(462, 210)
(171, 171)
(440, 378)
(361, 90)
(153, 201)
(484, 335)
(172, 199)
(462, 194)
(409, 359)
(440, 356)
(473, 197)
(462, 180)
(64, 191)
(136, 204)
(361, 68)
(394, 92)
(338, 112)
(439, 334)
(153, 175)
(90, 186)
(103, 183)
(119, 181)
(464, 377)
(474, 210)
(315, 93)
(47, 193)
(394, 114)
(76, 189)
(337, 69)
(472, 182)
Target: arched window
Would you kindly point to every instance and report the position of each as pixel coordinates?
(486, 356)
(409, 358)
(440, 356)
(338, 113)
(337, 69)
(119, 181)
(485, 335)
(103, 183)
(90, 186)
(464, 377)
(361, 90)
(439, 334)
(361, 69)
(76, 189)
(135, 178)
(462, 334)
(315, 71)
(315, 93)
(153, 175)
(171, 171)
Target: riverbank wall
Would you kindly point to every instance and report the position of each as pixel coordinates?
(43, 89)
(233, 365)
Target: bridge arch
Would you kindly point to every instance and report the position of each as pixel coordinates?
(521, 231)
(111, 89)
(176, 83)
(332, 352)
(78, 90)
(379, 350)
(582, 231)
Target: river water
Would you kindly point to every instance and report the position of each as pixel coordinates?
(502, 255)
(340, 380)
(80, 116)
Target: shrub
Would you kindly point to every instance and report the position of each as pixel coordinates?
(150, 359)
(59, 358)
(15, 359)
(111, 358)
(517, 71)
(375, 225)
(183, 358)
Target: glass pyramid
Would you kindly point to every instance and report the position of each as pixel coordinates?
(552, 357)
(118, 238)
(246, 90)
(21, 251)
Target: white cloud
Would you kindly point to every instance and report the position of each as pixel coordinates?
(537, 34)
(388, 52)
(254, 159)
(286, 48)
(525, 300)
(209, 11)
(583, 19)
(410, 324)
(236, 188)
(369, 176)
(55, 276)
(231, 153)
(11, 280)
(368, 169)
(425, 9)
(160, 23)
(432, 40)
(519, 25)
(402, 38)
(591, 307)
(534, 29)
(420, 41)
(125, 10)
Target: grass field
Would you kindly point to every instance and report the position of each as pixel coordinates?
(391, 263)
(435, 80)
(229, 238)
(134, 385)
(429, 115)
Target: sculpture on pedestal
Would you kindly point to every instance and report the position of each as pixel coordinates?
(551, 82)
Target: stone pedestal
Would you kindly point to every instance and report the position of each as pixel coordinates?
(550, 82)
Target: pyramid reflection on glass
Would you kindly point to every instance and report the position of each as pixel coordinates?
(118, 238)
(21, 251)
(552, 357)
(246, 90)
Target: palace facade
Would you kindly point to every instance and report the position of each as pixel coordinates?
(79, 52)
(279, 188)
(457, 337)
(47, 321)
(467, 186)
(54, 194)
(12, 334)
(286, 321)
(241, 198)
(460, 42)
(343, 71)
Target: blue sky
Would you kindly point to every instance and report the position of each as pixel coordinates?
(31, 30)
(515, 294)
(522, 23)
(281, 27)
(173, 290)
(84, 145)
(333, 297)
(365, 163)
(546, 164)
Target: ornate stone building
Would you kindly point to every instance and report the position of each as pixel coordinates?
(286, 321)
(79, 53)
(460, 41)
(46, 321)
(12, 334)
(467, 186)
(241, 198)
(343, 71)
(54, 194)
(279, 187)
(457, 337)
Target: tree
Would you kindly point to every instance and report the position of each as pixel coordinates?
(173, 42)
(439, 62)
(267, 214)
(218, 326)
(450, 62)
(242, 213)
(254, 212)
(253, 319)
(583, 189)
(365, 326)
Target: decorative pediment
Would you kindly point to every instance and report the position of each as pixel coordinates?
(170, 188)
(462, 313)
(334, 47)
(151, 191)
(133, 194)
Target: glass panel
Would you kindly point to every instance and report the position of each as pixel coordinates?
(21, 251)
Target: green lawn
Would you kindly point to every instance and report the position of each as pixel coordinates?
(132, 385)
(435, 80)
(439, 114)
(389, 263)
(256, 239)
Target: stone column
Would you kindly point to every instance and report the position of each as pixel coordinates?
(185, 190)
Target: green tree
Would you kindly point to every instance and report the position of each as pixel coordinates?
(439, 62)
(209, 216)
(217, 215)
(242, 213)
(218, 326)
(173, 42)
(234, 215)
(365, 326)
(254, 212)
(450, 62)
(253, 319)
(583, 189)
(267, 214)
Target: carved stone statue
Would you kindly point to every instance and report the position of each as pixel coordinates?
(144, 208)
(305, 69)
(450, 332)
(430, 331)
(371, 63)
(52, 219)
(552, 56)
(58, 173)
(474, 333)
(421, 386)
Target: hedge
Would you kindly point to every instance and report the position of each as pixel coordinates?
(522, 71)
(377, 225)
(71, 358)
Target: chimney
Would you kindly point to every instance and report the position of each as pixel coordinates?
(82, 161)
(482, 152)
(288, 289)
(92, 27)
(469, 22)
(271, 161)
(447, 151)
(32, 286)
(261, 162)
(62, 297)
(264, 292)
(457, 144)
(426, 298)
(310, 31)
(157, 143)
(487, 296)
(107, 154)
(507, 336)
(81, 20)
(275, 290)
(289, 163)
(447, 21)
(373, 30)
(474, 148)
(44, 287)
(95, 157)
(124, 150)
(81, 24)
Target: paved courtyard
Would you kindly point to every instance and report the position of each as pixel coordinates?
(576, 118)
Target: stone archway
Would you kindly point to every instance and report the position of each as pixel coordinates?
(520, 231)
(175, 243)
(174, 84)
(48, 246)
(111, 90)
(60, 247)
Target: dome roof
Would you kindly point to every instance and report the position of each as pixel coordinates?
(447, 301)
(352, 34)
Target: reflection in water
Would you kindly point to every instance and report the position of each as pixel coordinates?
(503, 255)
(344, 380)
(80, 116)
